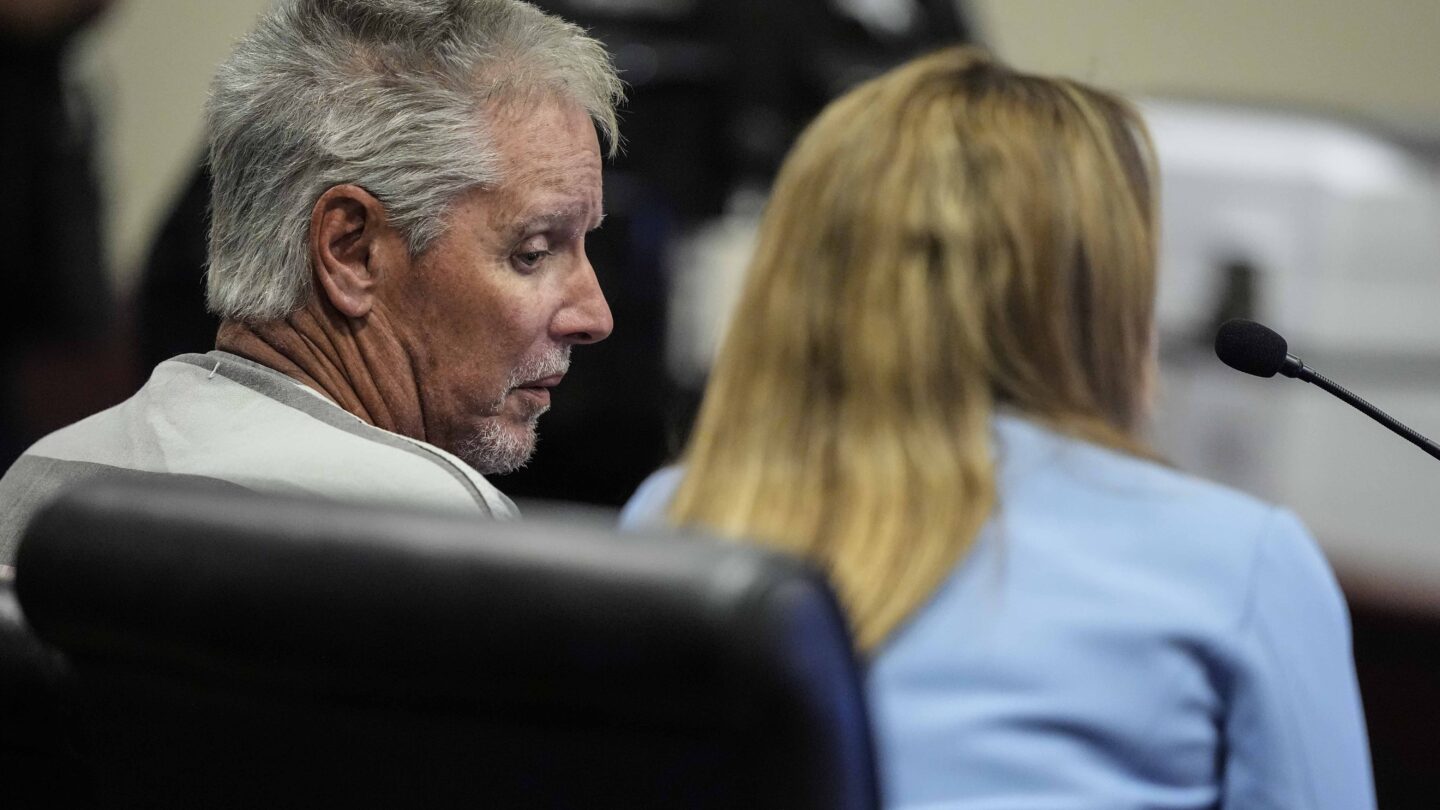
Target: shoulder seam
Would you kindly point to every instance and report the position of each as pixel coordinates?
(1252, 586)
(325, 412)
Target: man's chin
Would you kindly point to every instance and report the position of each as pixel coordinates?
(498, 447)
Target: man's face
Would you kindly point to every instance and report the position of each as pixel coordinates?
(489, 312)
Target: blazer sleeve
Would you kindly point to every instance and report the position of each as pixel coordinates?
(1294, 727)
(647, 507)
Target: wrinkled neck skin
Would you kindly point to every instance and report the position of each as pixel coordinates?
(356, 363)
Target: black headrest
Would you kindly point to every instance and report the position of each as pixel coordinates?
(531, 623)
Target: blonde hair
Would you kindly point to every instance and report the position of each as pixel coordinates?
(950, 236)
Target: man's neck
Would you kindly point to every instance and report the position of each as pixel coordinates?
(363, 370)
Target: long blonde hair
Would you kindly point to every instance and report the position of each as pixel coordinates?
(950, 236)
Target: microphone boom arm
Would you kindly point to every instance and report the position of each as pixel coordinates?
(1310, 375)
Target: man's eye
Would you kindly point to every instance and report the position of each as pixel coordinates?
(531, 259)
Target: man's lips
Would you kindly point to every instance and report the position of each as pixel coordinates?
(539, 390)
(544, 382)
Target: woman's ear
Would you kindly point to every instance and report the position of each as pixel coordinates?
(348, 245)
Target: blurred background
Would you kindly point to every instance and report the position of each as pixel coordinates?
(1299, 144)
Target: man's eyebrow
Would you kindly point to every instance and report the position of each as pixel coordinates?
(558, 216)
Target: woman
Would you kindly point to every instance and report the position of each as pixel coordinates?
(934, 385)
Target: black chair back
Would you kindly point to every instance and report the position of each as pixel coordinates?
(239, 650)
(41, 751)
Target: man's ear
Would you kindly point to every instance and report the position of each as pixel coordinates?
(351, 243)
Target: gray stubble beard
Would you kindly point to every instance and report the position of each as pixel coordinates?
(495, 449)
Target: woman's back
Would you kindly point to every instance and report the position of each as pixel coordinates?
(1121, 635)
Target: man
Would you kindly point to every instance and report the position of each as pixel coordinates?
(402, 190)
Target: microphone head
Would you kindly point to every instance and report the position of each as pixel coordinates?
(1250, 347)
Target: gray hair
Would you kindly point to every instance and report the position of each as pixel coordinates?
(386, 94)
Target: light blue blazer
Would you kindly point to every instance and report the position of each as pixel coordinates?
(1121, 636)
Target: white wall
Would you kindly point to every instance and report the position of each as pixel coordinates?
(151, 61)
(1376, 59)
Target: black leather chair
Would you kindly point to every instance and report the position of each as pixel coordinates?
(41, 747)
(239, 650)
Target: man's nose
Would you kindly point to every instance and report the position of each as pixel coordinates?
(586, 317)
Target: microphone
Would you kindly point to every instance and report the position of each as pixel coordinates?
(1257, 349)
